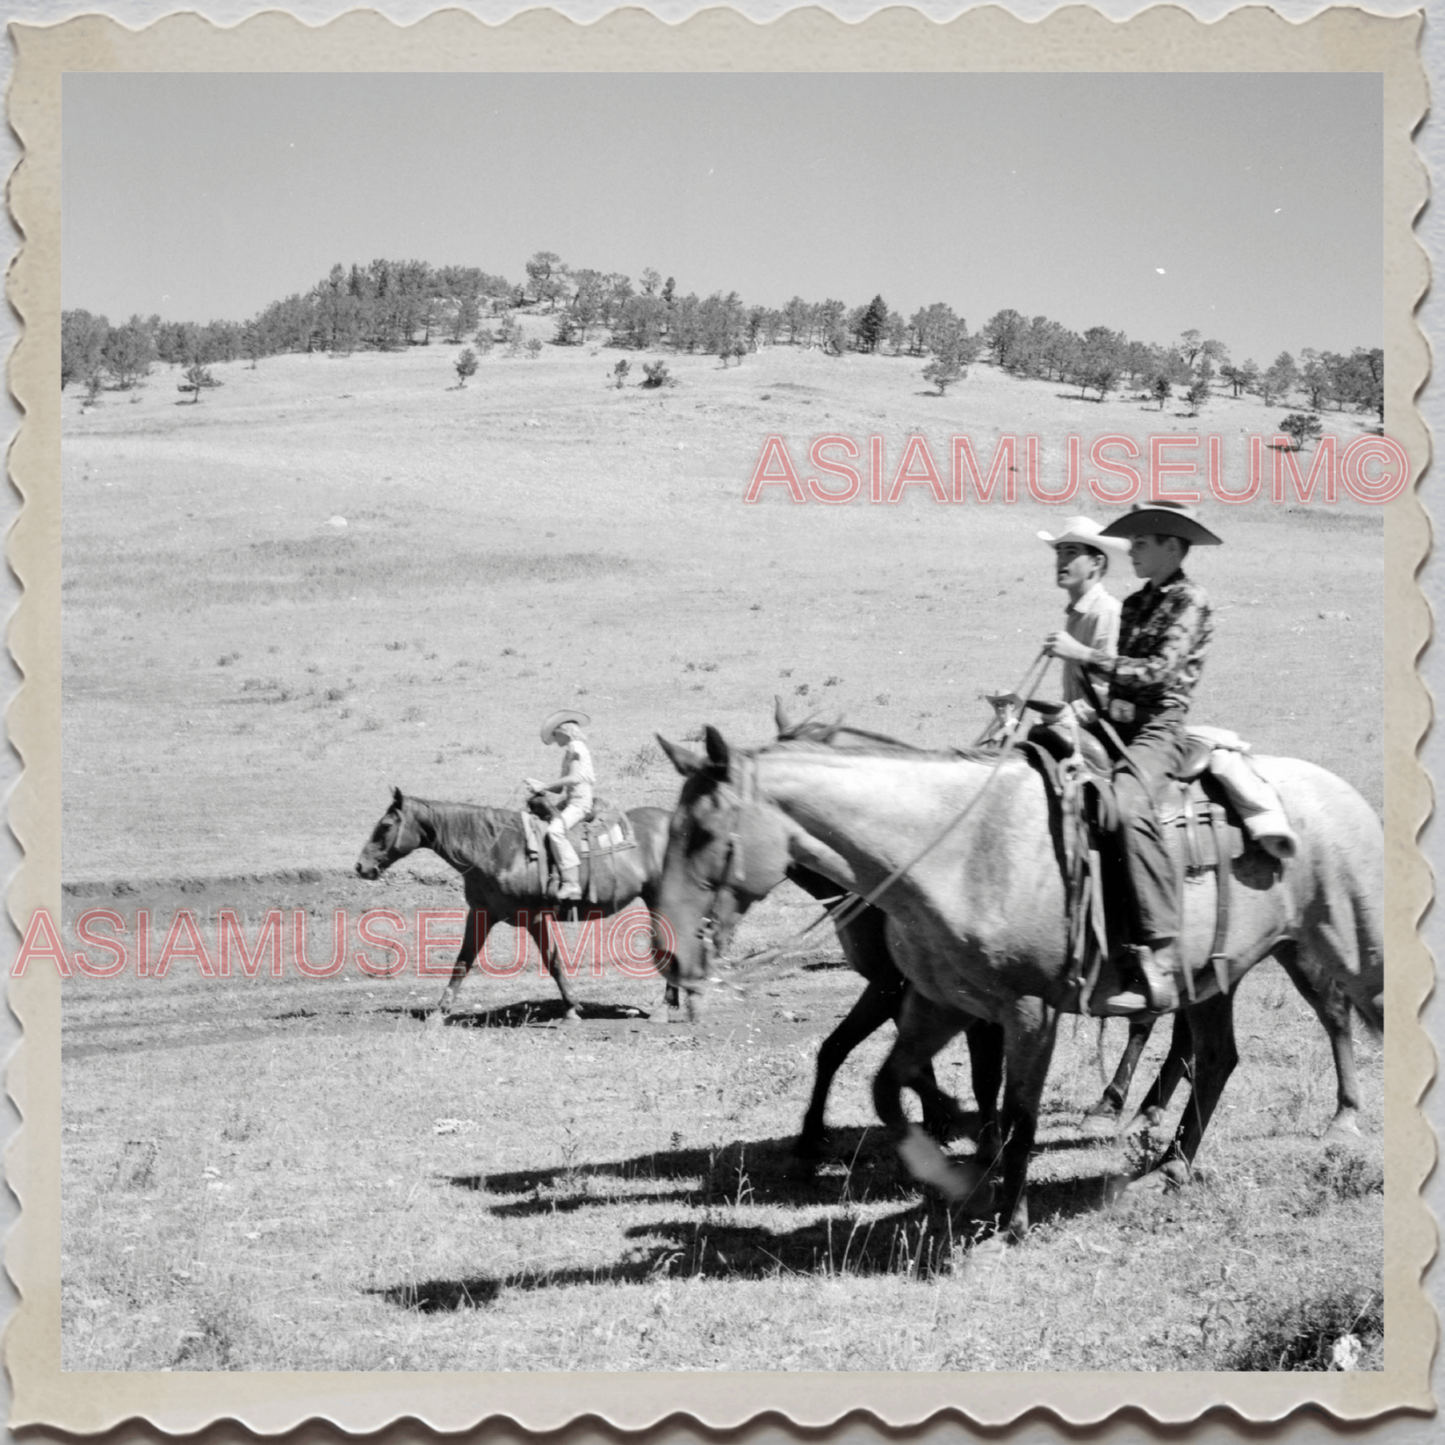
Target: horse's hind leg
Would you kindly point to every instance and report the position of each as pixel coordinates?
(538, 928)
(1104, 1116)
(1178, 1063)
(1332, 1008)
(474, 940)
(1211, 1025)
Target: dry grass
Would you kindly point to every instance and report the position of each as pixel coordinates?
(254, 1175)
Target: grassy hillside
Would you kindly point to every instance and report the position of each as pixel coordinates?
(244, 679)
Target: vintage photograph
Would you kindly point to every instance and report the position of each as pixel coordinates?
(725, 722)
(531, 540)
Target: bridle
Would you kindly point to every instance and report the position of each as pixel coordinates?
(738, 793)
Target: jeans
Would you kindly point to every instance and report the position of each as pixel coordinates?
(1156, 748)
(562, 849)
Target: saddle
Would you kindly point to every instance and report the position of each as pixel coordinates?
(605, 832)
(1206, 827)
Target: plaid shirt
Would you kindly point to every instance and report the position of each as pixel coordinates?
(1163, 634)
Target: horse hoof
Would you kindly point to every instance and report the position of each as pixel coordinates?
(1342, 1131)
(1099, 1126)
(1173, 1175)
(436, 1018)
(957, 1181)
(572, 1016)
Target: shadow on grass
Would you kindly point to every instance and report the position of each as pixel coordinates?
(860, 1166)
(526, 1014)
(919, 1240)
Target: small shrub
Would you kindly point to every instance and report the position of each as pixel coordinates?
(465, 364)
(657, 375)
(1300, 428)
(619, 373)
(534, 348)
(641, 762)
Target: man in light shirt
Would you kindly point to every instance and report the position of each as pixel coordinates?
(1082, 555)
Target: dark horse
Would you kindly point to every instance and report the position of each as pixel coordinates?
(486, 846)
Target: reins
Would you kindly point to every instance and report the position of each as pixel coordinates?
(850, 908)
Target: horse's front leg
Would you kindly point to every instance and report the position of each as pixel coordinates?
(541, 930)
(474, 940)
(1028, 1050)
(924, 1027)
(875, 1006)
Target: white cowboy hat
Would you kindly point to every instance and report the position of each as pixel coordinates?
(558, 718)
(1086, 532)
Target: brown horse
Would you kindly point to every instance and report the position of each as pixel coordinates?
(486, 846)
(977, 925)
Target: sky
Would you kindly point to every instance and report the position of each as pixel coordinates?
(1245, 206)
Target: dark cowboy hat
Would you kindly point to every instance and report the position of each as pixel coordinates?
(565, 716)
(1162, 519)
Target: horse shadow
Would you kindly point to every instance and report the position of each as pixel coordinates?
(860, 1165)
(920, 1239)
(529, 1013)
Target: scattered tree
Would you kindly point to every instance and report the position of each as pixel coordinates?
(1300, 428)
(534, 348)
(1161, 389)
(197, 377)
(943, 371)
(619, 372)
(656, 373)
(1197, 394)
(466, 365)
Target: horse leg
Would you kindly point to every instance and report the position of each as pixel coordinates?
(1211, 1024)
(538, 929)
(924, 1027)
(1178, 1062)
(1103, 1116)
(876, 1006)
(1028, 1050)
(985, 1063)
(1332, 1008)
(474, 939)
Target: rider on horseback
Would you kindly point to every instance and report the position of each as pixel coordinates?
(1164, 632)
(575, 785)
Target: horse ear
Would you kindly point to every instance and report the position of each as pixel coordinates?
(684, 759)
(780, 717)
(395, 796)
(717, 749)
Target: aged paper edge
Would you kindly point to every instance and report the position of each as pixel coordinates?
(1164, 38)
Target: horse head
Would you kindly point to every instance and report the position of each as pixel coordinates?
(725, 851)
(397, 834)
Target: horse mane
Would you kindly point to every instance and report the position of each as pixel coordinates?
(838, 737)
(835, 737)
(467, 829)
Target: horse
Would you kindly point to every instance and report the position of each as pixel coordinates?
(977, 924)
(486, 846)
(866, 951)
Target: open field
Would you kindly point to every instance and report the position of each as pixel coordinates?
(254, 1174)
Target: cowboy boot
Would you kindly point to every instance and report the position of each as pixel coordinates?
(571, 887)
(1159, 962)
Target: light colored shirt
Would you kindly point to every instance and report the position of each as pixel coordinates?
(1094, 621)
(578, 774)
